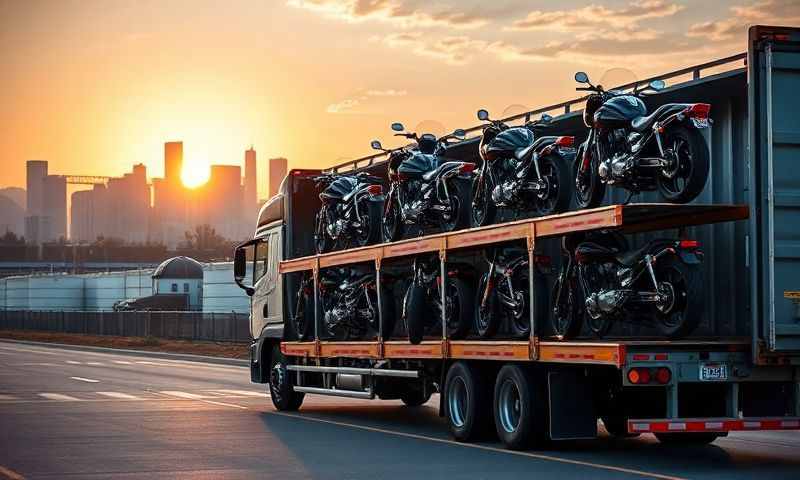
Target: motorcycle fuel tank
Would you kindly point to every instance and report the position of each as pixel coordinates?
(418, 164)
(506, 143)
(339, 188)
(619, 111)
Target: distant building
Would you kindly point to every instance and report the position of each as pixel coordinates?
(82, 215)
(250, 183)
(277, 171)
(36, 171)
(224, 201)
(54, 206)
(180, 276)
(173, 162)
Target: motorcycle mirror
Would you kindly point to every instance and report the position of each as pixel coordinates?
(483, 115)
(459, 133)
(581, 77)
(546, 118)
(398, 127)
(376, 145)
(658, 84)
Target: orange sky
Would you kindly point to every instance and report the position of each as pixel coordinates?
(96, 86)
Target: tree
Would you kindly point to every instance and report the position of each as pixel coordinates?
(204, 237)
(10, 238)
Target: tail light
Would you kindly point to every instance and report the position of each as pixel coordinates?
(565, 141)
(689, 244)
(663, 375)
(375, 189)
(698, 110)
(643, 376)
(467, 168)
(639, 376)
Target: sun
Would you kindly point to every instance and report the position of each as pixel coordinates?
(194, 175)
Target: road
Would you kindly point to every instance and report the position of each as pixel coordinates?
(75, 414)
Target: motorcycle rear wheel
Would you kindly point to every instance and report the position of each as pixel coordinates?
(460, 202)
(484, 210)
(691, 170)
(486, 315)
(370, 231)
(685, 284)
(568, 310)
(387, 307)
(589, 188)
(556, 174)
(303, 318)
(393, 226)
(415, 306)
(459, 308)
(323, 242)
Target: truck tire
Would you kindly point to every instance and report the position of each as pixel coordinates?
(414, 312)
(520, 408)
(281, 388)
(466, 402)
(687, 438)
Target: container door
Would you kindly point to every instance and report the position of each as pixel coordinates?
(774, 103)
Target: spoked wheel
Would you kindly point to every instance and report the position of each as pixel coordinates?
(393, 227)
(681, 288)
(369, 231)
(486, 315)
(457, 215)
(322, 240)
(589, 188)
(555, 196)
(483, 207)
(568, 309)
(459, 307)
(518, 315)
(280, 385)
(685, 174)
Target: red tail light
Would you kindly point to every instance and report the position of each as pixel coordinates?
(565, 141)
(467, 168)
(639, 376)
(663, 375)
(698, 110)
(375, 189)
(689, 244)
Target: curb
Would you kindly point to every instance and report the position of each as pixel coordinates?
(141, 353)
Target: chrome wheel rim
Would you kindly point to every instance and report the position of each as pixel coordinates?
(458, 402)
(509, 406)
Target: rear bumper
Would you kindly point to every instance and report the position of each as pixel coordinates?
(678, 425)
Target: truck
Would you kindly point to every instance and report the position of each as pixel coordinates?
(739, 370)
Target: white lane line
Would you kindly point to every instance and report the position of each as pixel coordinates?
(119, 395)
(123, 362)
(190, 396)
(242, 407)
(157, 364)
(538, 456)
(34, 364)
(28, 350)
(7, 397)
(73, 362)
(59, 396)
(87, 380)
(242, 393)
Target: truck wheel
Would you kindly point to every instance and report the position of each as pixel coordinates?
(415, 398)
(283, 395)
(687, 438)
(520, 408)
(466, 402)
(414, 306)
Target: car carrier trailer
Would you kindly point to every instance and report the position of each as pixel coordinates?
(739, 375)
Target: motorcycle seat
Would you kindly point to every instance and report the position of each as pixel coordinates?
(521, 153)
(630, 257)
(641, 124)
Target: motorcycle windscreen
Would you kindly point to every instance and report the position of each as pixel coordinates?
(620, 110)
(340, 187)
(510, 140)
(418, 164)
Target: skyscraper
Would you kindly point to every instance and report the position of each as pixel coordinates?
(54, 206)
(36, 173)
(277, 170)
(250, 183)
(173, 162)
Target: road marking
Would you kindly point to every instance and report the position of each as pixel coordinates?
(538, 456)
(10, 474)
(28, 350)
(73, 362)
(7, 397)
(34, 364)
(190, 396)
(119, 395)
(123, 362)
(246, 393)
(225, 404)
(58, 396)
(87, 380)
(157, 364)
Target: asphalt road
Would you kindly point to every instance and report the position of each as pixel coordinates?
(74, 414)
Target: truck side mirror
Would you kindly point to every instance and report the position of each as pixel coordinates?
(240, 267)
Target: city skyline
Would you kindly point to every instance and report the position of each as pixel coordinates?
(96, 87)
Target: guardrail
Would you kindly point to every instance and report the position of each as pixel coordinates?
(696, 71)
(215, 327)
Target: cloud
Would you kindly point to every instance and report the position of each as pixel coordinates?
(398, 12)
(453, 50)
(349, 105)
(783, 12)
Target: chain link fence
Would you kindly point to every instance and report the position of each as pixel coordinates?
(216, 327)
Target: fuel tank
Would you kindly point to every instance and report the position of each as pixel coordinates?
(505, 143)
(339, 188)
(619, 111)
(418, 164)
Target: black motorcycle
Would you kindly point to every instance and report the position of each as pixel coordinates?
(351, 211)
(522, 170)
(423, 307)
(348, 306)
(602, 281)
(503, 294)
(640, 152)
(425, 189)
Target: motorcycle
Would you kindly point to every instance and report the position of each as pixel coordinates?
(503, 293)
(422, 303)
(602, 280)
(626, 147)
(424, 190)
(350, 215)
(348, 305)
(521, 169)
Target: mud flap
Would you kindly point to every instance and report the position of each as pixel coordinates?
(572, 412)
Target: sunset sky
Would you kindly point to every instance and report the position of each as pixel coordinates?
(96, 86)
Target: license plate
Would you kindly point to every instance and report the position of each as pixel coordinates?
(713, 372)
(700, 122)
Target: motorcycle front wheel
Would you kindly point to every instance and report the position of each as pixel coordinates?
(568, 309)
(458, 215)
(459, 308)
(303, 318)
(555, 174)
(387, 307)
(393, 227)
(322, 240)
(483, 207)
(682, 287)
(685, 178)
(486, 317)
(415, 311)
(589, 188)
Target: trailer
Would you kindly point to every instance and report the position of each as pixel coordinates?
(739, 371)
